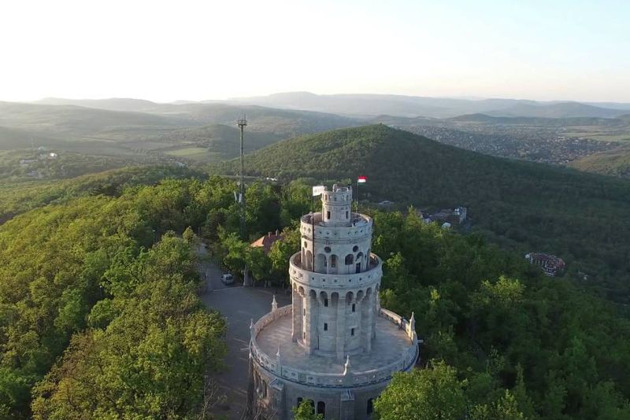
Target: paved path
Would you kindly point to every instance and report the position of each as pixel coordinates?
(239, 305)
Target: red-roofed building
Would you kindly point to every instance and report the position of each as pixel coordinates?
(266, 241)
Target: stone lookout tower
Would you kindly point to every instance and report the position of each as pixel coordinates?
(334, 346)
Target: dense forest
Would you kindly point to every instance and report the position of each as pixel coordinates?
(498, 335)
(99, 314)
(500, 340)
(520, 205)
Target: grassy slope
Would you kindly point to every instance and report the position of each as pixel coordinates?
(19, 197)
(612, 162)
(158, 128)
(219, 141)
(581, 217)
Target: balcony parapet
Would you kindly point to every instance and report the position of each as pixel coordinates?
(335, 280)
(349, 377)
(360, 226)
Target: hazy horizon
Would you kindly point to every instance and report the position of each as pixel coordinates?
(244, 97)
(193, 50)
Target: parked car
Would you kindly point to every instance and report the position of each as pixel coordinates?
(227, 278)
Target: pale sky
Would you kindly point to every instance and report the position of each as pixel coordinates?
(196, 50)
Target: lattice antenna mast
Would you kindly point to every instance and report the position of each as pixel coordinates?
(242, 123)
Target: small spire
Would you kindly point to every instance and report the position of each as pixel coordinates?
(278, 353)
(274, 304)
(251, 323)
(412, 321)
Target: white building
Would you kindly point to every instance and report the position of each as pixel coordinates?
(334, 345)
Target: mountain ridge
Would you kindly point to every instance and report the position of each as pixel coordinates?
(371, 105)
(523, 205)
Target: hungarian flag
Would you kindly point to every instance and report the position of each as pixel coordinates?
(362, 179)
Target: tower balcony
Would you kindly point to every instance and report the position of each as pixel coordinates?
(396, 349)
(300, 273)
(313, 227)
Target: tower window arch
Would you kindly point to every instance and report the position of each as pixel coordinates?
(320, 262)
(321, 408)
(309, 260)
(349, 259)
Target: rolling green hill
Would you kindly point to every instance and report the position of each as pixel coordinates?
(614, 162)
(19, 197)
(542, 121)
(557, 110)
(75, 121)
(213, 143)
(143, 130)
(577, 216)
(283, 123)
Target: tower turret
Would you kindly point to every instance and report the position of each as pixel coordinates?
(337, 315)
(337, 206)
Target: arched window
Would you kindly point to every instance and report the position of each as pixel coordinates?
(359, 261)
(370, 406)
(349, 259)
(321, 408)
(309, 260)
(320, 262)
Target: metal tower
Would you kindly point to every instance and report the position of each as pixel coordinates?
(242, 123)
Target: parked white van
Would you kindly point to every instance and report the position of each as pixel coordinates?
(227, 278)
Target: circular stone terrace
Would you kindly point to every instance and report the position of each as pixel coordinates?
(394, 349)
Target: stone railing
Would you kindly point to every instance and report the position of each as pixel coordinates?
(360, 227)
(273, 363)
(408, 325)
(335, 281)
(268, 319)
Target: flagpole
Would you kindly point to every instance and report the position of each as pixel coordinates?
(357, 194)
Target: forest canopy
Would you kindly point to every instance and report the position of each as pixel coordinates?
(99, 310)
